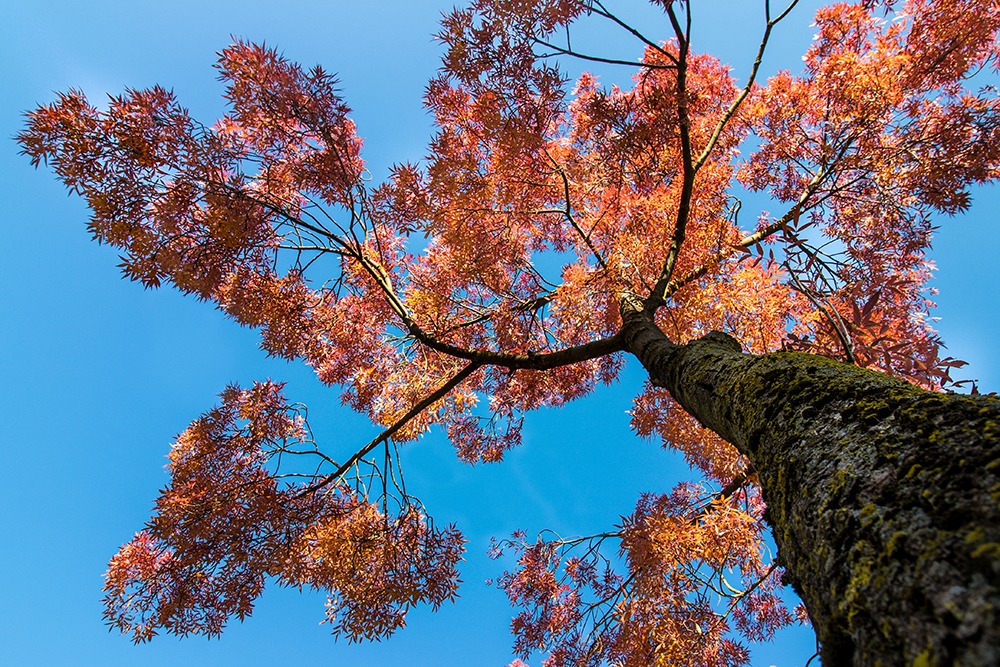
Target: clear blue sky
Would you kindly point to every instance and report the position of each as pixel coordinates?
(99, 375)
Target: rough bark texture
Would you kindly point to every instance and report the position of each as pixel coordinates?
(884, 498)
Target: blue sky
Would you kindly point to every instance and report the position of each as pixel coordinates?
(100, 374)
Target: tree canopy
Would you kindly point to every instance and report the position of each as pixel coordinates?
(491, 279)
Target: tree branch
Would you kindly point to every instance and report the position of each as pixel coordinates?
(419, 407)
(653, 299)
(734, 107)
(671, 287)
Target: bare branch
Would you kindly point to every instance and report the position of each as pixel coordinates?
(734, 107)
(563, 51)
(829, 312)
(597, 7)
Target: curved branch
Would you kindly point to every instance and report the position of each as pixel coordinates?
(669, 288)
(597, 7)
(384, 436)
(830, 313)
(529, 360)
(567, 213)
(734, 107)
(562, 51)
(659, 293)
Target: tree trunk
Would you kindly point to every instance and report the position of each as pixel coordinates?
(883, 497)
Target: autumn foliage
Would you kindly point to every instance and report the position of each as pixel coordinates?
(224, 525)
(486, 281)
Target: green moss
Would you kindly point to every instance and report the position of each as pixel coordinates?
(861, 577)
(840, 481)
(896, 542)
(995, 493)
(869, 514)
(975, 536)
(924, 659)
(935, 437)
(988, 550)
(874, 409)
(853, 467)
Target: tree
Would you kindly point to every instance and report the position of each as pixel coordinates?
(630, 197)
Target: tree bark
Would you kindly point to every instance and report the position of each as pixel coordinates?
(884, 498)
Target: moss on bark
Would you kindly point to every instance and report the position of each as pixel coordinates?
(884, 498)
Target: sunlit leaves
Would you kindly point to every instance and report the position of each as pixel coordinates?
(229, 521)
(884, 128)
(219, 527)
(690, 568)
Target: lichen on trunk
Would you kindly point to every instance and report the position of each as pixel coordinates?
(884, 498)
